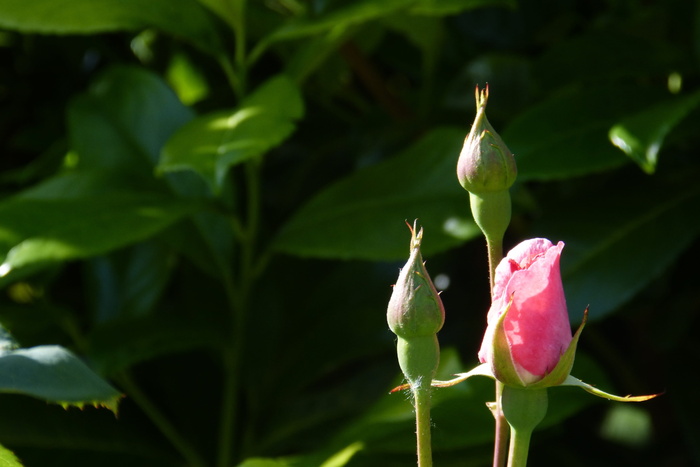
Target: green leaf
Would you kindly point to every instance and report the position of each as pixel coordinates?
(619, 240)
(36, 231)
(261, 462)
(363, 216)
(181, 18)
(211, 144)
(120, 126)
(337, 22)
(551, 140)
(452, 7)
(363, 11)
(130, 281)
(8, 458)
(571, 381)
(228, 10)
(357, 12)
(641, 135)
(124, 119)
(187, 80)
(52, 373)
(121, 344)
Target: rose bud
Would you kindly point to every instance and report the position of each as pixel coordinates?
(528, 329)
(485, 164)
(415, 314)
(528, 344)
(486, 169)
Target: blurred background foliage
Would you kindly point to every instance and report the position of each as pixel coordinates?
(206, 200)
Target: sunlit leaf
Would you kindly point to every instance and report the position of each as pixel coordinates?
(641, 136)
(181, 18)
(52, 373)
(211, 144)
(8, 459)
(261, 462)
(38, 231)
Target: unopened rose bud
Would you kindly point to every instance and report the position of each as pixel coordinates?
(415, 314)
(415, 308)
(485, 164)
(525, 345)
(486, 169)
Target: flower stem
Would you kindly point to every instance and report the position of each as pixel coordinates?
(238, 292)
(502, 431)
(421, 394)
(239, 304)
(494, 245)
(519, 448)
(524, 409)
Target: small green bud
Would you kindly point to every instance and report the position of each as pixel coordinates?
(485, 164)
(415, 308)
(415, 314)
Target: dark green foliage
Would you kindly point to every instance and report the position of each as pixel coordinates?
(205, 200)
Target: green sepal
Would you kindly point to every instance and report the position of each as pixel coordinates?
(481, 370)
(502, 364)
(571, 381)
(560, 372)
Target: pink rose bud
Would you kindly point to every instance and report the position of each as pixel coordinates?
(485, 164)
(526, 344)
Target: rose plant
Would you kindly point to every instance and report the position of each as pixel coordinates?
(528, 345)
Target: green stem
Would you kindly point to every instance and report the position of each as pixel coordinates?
(239, 31)
(238, 294)
(186, 450)
(239, 304)
(524, 409)
(227, 427)
(252, 171)
(231, 364)
(494, 246)
(519, 448)
(502, 431)
(421, 394)
(232, 76)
